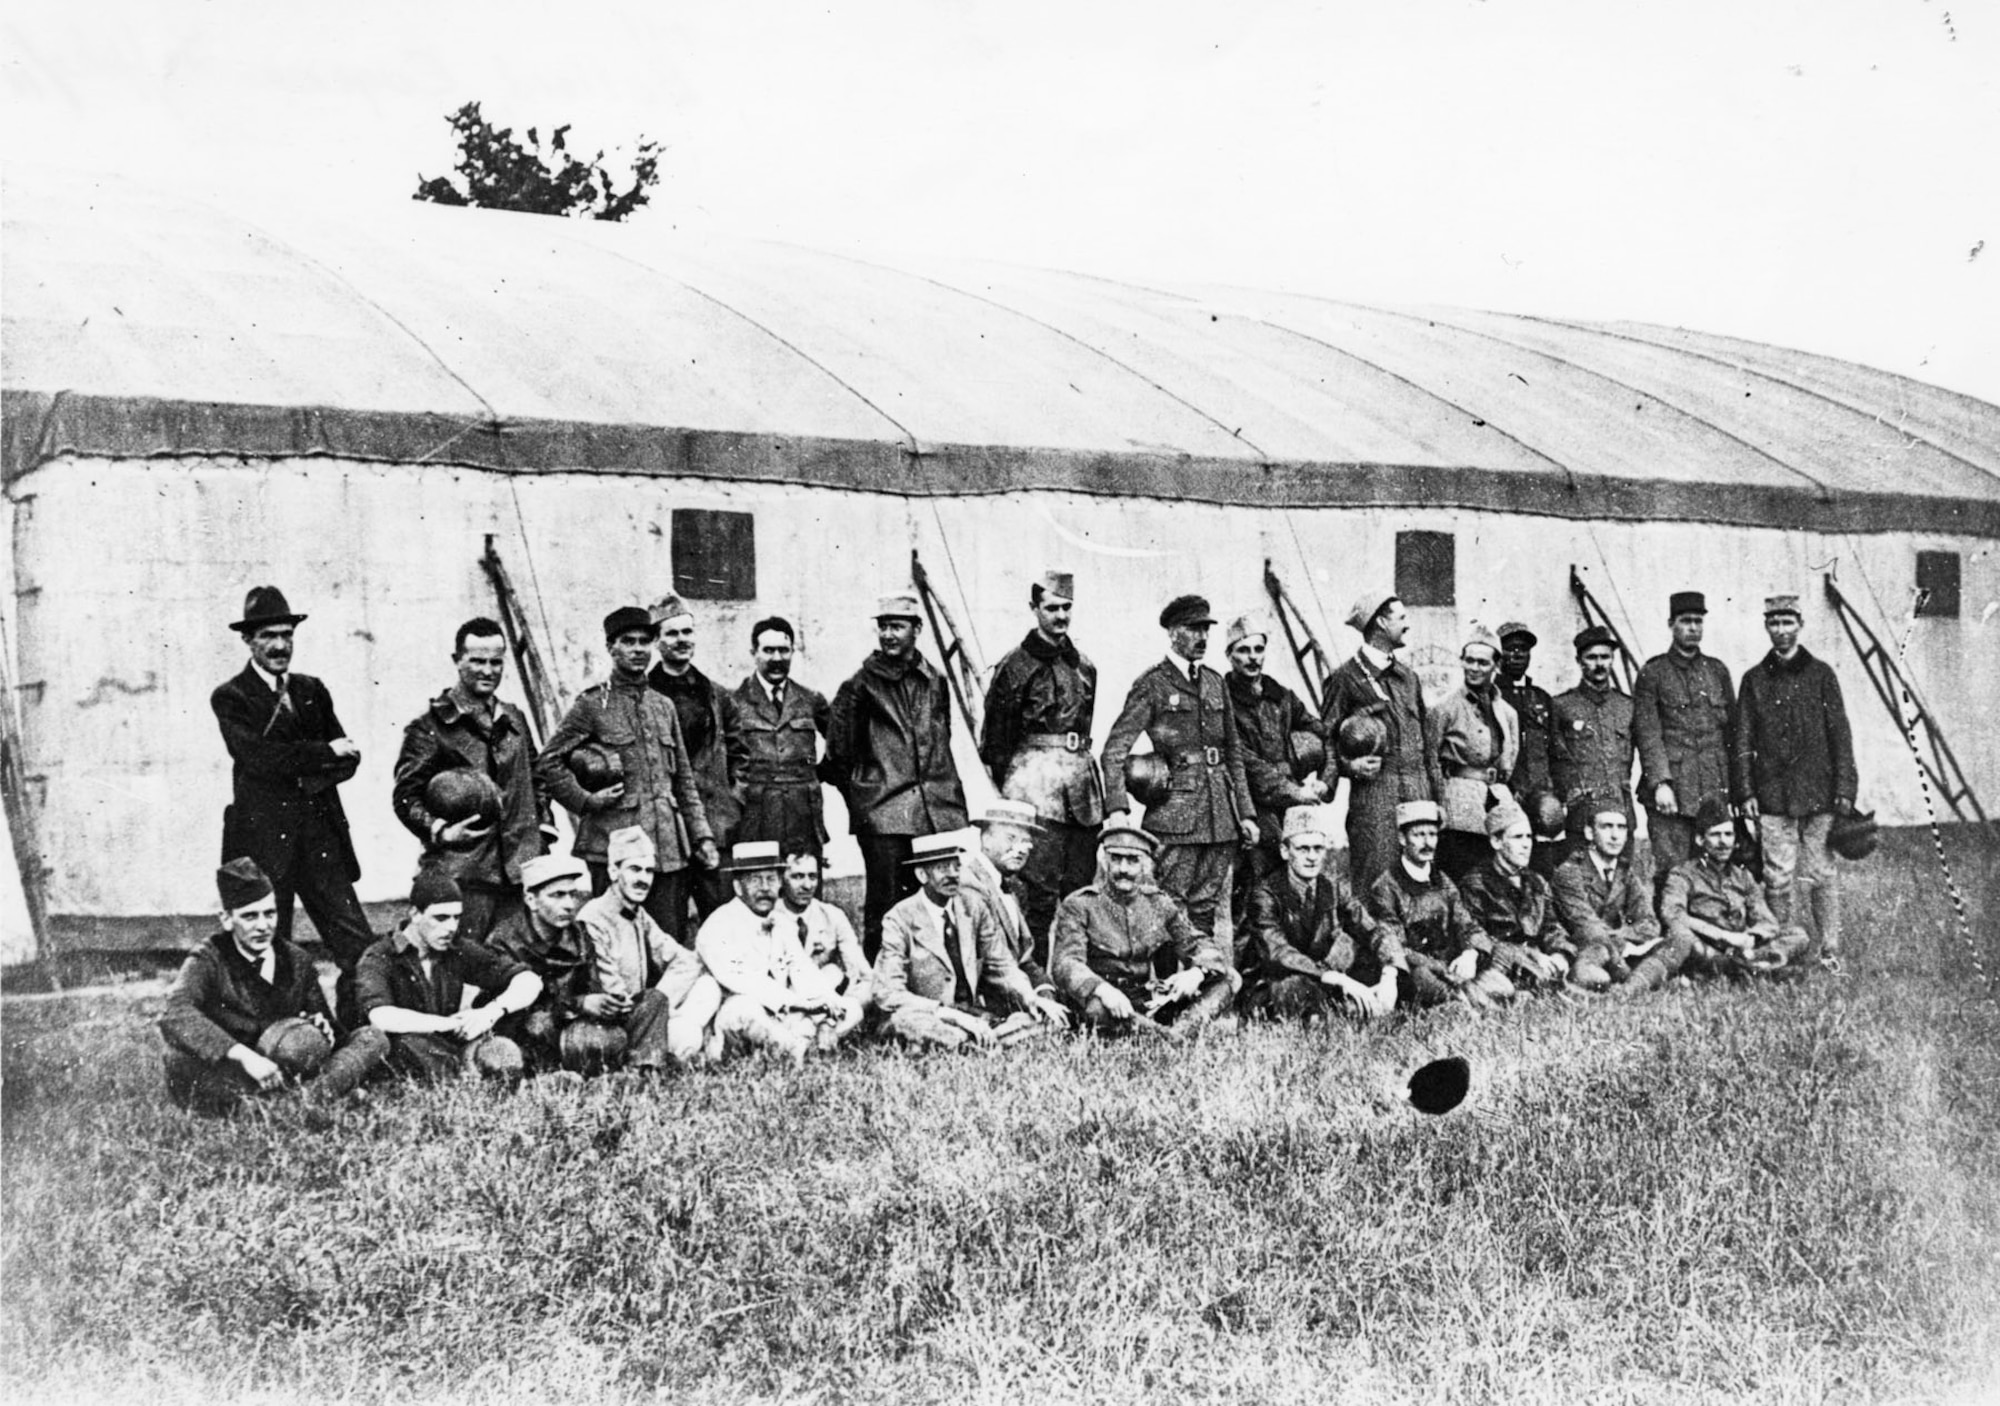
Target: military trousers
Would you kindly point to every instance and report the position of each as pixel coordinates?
(333, 1072)
(435, 1059)
(1198, 875)
(1063, 860)
(1795, 864)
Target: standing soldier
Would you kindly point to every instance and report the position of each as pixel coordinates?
(621, 728)
(1036, 744)
(1474, 735)
(782, 721)
(710, 731)
(1267, 716)
(1683, 714)
(1208, 812)
(1795, 756)
(290, 752)
(467, 728)
(1373, 694)
(888, 750)
(1534, 773)
(1591, 749)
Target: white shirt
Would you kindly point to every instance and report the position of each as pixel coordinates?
(267, 965)
(1605, 867)
(1422, 876)
(773, 691)
(1187, 668)
(1377, 660)
(271, 681)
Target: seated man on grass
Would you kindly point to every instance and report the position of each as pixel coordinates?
(645, 988)
(826, 937)
(945, 976)
(1422, 926)
(247, 1014)
(1605, 899)
(989, 882)
(772, 997)
(1125, 956)
(415, 984)
(1718, 910)
(1308, 942)
(542, 934)
(1515, 906)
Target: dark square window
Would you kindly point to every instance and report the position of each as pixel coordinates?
(1426, 568)
(1937, 584)
(715, 555)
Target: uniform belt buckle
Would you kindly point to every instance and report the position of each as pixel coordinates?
(1072, 742)
(1212, 755)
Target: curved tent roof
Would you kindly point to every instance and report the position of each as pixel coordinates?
(139, 324)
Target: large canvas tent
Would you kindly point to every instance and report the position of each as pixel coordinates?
(198, 401)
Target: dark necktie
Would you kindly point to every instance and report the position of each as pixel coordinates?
(961, 988)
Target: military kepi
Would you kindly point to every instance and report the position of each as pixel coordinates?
(1686, 603)
(1127, 837)
(898, 605)
(1517, 629)
(265, 605)
(1780, 605)
(1594, 636)
(627, 618)
(1186, 610)
(240, 883)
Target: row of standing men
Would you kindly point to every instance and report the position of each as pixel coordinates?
(658, 746)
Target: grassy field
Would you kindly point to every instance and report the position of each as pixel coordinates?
(1787, 1195)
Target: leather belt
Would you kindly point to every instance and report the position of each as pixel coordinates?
(1202, 756)
(1067, 741)
(1475, 773)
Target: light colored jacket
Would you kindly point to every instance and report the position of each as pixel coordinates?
(1474, 763)
(913, 970)
(757, 958)
(832, 949)
(630, 953)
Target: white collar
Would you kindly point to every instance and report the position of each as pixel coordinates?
(1186, 668)
(771, 690)
(1605, 867)
(1377, 660)
(1423, 875)
(938, 912)
(270, 680)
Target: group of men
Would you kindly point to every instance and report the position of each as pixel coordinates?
(1489, 846)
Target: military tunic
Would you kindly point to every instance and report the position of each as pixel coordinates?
(1517, 911)
(1422, 926)
(1101, 941)
(1683, 718)
(1590, 746)
(1292, 937)
(1534, 709)
(779, 776)
(1730, 898)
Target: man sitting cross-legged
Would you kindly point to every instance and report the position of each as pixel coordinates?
(542, 934)
(772, 997)
(1308, 942)
(247, 1015)
(945, 975)
(1422, 927)
(990, 885)
(645, 986)
(827, 938)
(1514, 905)
(1605, 899)
(1718, 909)
(1125, 956)
(412, 986)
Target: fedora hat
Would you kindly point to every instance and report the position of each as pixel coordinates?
(265, 605)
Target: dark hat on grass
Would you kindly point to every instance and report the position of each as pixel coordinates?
(627, 618)
(1186, 610)
(240, 883)
(265, 605)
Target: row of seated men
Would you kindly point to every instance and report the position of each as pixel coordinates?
(578, 985)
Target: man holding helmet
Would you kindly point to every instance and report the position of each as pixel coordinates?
(1383, 753)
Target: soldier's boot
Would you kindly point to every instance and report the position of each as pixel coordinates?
(1826, 922)
(1647, 976)
(353, 1063)
(1782, 901)
(1590, 975)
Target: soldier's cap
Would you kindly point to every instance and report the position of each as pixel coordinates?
(754, 856)
(1418, 813)
(1781, 605)
(1594, 636)
(240, 883)
(1710, 813)
(929, 849)
(1481, 638)
(1186, 610)
(1686, 603)
(1127, 837)
(1247, 627)
(1305, 820)
(264, 605)
(1058, 586)
(432, 887)
(898, 605)
(1019, 814)
(1505, 817)
(1598, 806)
(547, 868)
(1367, 608)
(629, 843)
(667, 608)
(1515, 629)
(627, 618)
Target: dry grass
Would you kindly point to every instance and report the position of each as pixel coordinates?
(1773, 1195)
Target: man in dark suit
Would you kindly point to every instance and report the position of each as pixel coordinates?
(1184, 708)
(290, 752)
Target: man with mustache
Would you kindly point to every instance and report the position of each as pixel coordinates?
(1590, 737)
(781, 722)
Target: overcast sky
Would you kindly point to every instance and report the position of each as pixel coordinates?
(1821, 174)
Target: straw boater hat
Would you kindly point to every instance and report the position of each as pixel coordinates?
(754, 856)
(1019, 814)
(929, 849)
